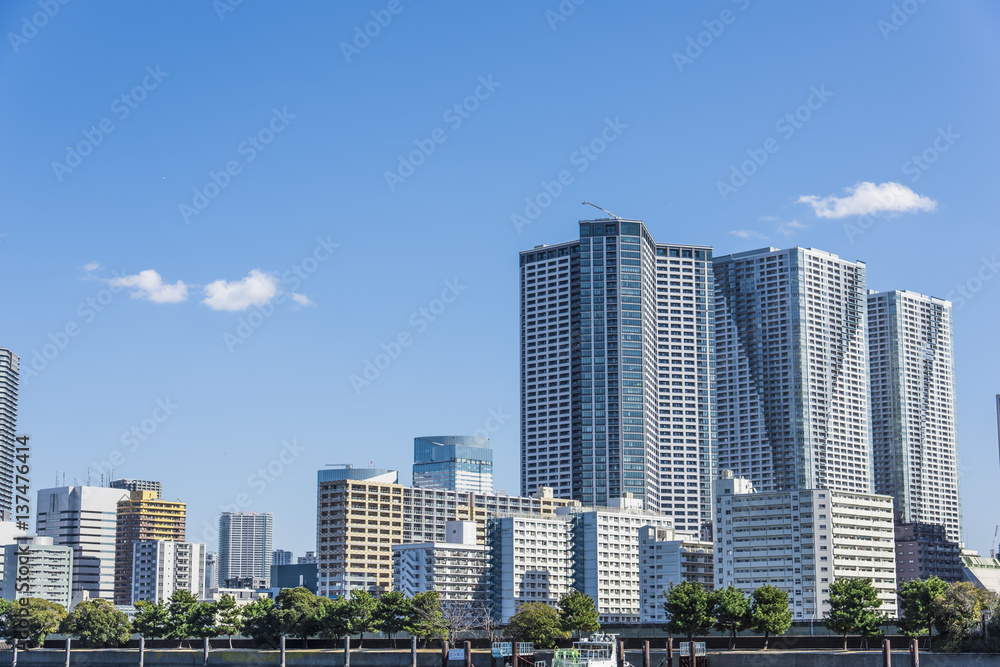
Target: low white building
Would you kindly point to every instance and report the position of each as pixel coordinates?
(456, 568)
(161, 567)
(667, 557)
(802, 541)
(45, 570)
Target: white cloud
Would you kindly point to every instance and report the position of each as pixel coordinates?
(150, 286)
(866, 198)
(748, 234)
(789, 228)
(302, 299)
(256, 289)
(92, 266)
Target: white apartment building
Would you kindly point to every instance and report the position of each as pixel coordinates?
(667, 557)
(49, 570)
(245, 546)
(617, 376)
(86, 519)
(914, 427)
(162, 567)
(10, 370)
(793, 382)
(456, 568)
(802, 541)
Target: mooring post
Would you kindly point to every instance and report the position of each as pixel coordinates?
(692, 654)
(347, 652)
(513, 651)
(68, 640)
(204, 651)
(621, 653)
(282, 644)
(468, 654)
(886, 652)
(142, 650)
(13, 655)
(914, 653)
(444, 653)
(413, 652)
(645, 653)
(670, 651)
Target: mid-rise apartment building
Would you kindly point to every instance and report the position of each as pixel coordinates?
(667, 558)
(143, 516)
(245, 545)
(923, 550)
(801, 541)
(617, 370)
(792, 354)
(914, 427)
(359, 520)
(131, 485)
(162, 567)
(455, 568)
(34, 567)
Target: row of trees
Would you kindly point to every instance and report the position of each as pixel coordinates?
(544, 625)
(957, 611)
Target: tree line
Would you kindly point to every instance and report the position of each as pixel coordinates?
(958, 611)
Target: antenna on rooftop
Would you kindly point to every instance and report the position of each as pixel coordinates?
(603, 209)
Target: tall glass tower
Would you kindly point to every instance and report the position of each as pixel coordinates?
(9, 373)
(617, 370)
(245, 540)
(453, 463)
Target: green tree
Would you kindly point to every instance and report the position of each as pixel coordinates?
(33, 619)
(959, 612)
(731, 609)
(854, 608)
(296, 610)
(427, 621)
(333, 618)
(260, 622)
(203, 621)
(392, 613)
(916, 606)
(151, 619)
(362, 617)
(98, 624)
(536, 622)
(687, 610)
(228, 620)
(5, 606)
(578, 613)
(769, 612)
(180, 608)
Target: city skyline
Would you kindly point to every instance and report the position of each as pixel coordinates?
(230, 325)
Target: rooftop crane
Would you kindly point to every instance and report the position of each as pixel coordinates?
(603, 209)
(993, 551)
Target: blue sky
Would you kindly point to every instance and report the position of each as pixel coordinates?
(240, 153)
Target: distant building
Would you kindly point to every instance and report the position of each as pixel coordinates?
(667, 557)
(813, 537)
(982, 571)
(309, 558)
(455, 568)
(49, 570)
(453, 463)
(162, 567)
(252, 583)
(305, 575)
(10, 369)
(143, 516)
(138, 485)
(211, 572)
(281, 557)
(245, 545)
(86, 519)
(9, 534)
(923, 551)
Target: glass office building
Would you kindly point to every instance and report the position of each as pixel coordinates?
(453, 463)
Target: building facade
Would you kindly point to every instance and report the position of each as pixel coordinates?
(617, 370)
(281, 557)
(162, 567)
(138, 485)
(211, 573)
(49, 569)
(455, 569)
(665, 559)
(914, 428)
(923, 550)
(10, 369)
(358, 521)
(802, 541)
(143, 516)
(453, 463)
(245, 545)
(86, 519)
(792, 353)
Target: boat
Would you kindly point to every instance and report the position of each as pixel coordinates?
(598, 650)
